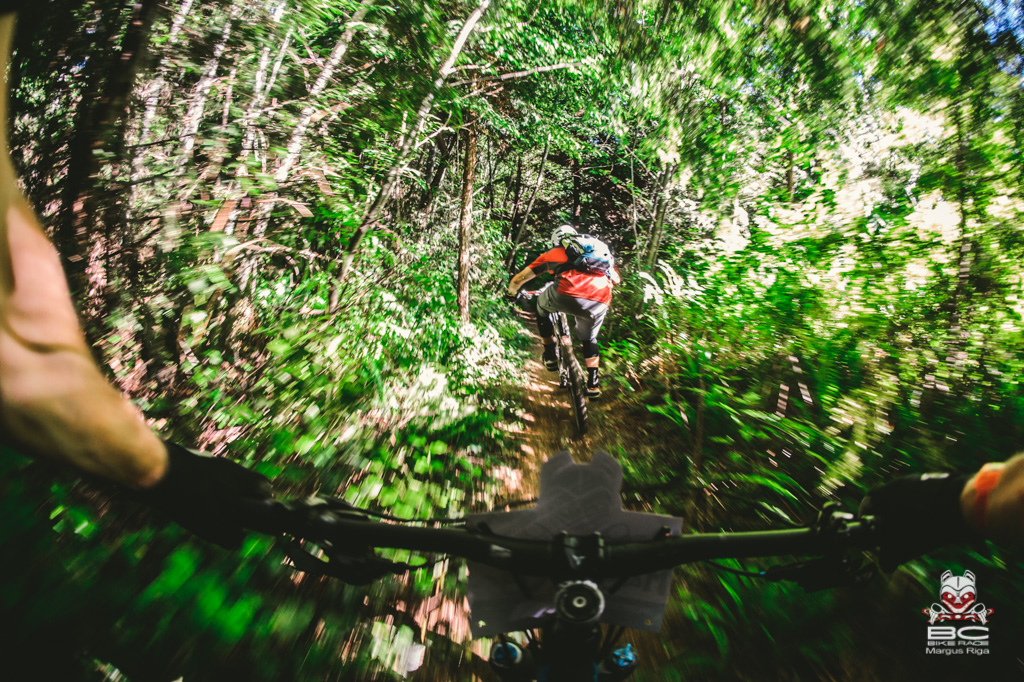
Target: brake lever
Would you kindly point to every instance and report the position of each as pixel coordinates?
(838, 566)
(356, 565)
(276, 517)
(824, 572)
(348, 568)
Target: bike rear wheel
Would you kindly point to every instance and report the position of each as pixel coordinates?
(577, 394)
(570, 373)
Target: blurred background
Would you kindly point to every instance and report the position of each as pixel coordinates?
(288, 225)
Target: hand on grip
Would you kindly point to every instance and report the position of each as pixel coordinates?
(207, 495)
(916, 514)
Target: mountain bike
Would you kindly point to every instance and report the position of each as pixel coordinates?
(570, 374)
(559, 571)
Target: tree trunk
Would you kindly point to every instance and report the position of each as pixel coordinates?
(153, 90)
(445, 153)
(197, 108)
(97, 125)
(789, 176)
(235, 204)
(466, 222)
(421, 118)
(427, 170)
(574, 169)
(298, 136)
(659, 221)
(262, 87)
(299, 132)
(632, 193)
(957, 343)
(490, 179)
(517, 193)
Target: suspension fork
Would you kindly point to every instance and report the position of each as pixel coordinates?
(558, 324)
(564, 654)
(570, 647)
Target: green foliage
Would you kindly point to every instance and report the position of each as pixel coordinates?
(836, 300)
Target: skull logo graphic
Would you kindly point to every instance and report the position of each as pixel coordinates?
(957, 591)
(958, 600)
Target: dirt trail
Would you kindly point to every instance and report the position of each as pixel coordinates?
(544, 427)
(547, 423)
(547, 427)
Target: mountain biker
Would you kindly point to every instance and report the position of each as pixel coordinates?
(584, 295)
(55, 402)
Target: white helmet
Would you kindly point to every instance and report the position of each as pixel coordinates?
(561, 231)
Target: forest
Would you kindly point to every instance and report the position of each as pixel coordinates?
(289, 225)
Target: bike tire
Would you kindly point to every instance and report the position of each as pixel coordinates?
(570, 373)
(577, 394)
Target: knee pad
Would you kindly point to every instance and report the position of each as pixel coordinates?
(590, 349)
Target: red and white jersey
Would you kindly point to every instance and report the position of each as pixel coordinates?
(574, 283)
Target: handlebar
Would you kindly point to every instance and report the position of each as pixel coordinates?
(347, 537)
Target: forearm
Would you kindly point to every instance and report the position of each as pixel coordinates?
(58, 406)
(524, 276)
(1000, 517)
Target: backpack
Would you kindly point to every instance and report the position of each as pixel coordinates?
(586, 254)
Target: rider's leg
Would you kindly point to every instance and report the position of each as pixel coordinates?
(546, 304)
(547, 333)
(545, 328)
(593, 361)
(588, 326)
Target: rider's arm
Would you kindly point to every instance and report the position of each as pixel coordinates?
(614, 275)
(524, 276)
(992, 501)
(546, 262)
(54, 401)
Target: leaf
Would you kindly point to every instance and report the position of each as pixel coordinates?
(767, 482)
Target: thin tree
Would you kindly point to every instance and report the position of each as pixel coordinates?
(421, 118)
(299, 132)
(466, 222)
(521, 230)
(659, 219)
